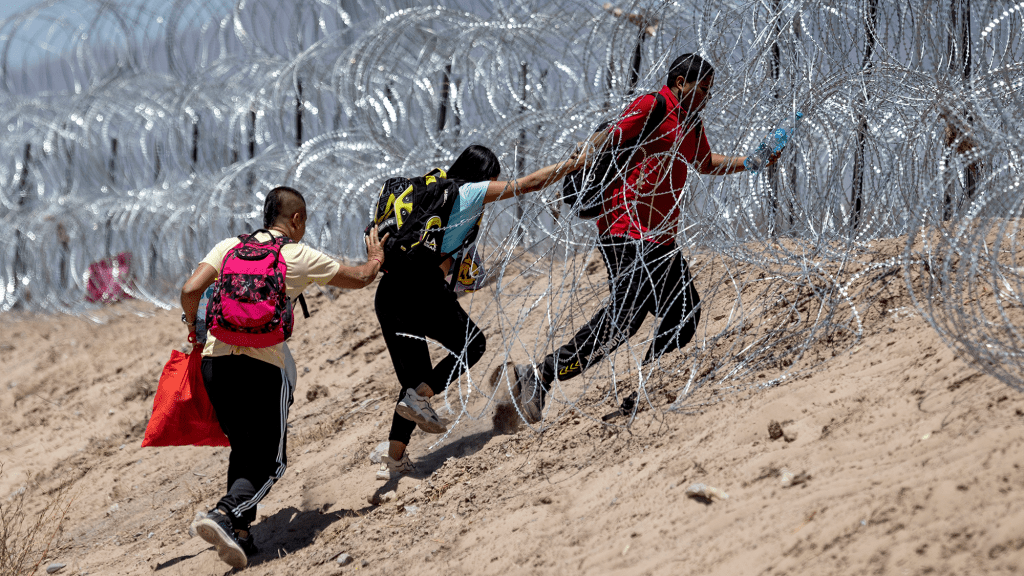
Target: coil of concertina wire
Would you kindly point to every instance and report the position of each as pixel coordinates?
(137, 134)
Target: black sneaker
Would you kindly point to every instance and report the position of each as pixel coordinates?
(216, 529)
(529, 392)
(247, 543)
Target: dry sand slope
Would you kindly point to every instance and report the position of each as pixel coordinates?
(905, 461)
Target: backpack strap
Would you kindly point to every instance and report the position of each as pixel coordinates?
(302, 302)
(658, 114)
(282, 240)
(656, 117)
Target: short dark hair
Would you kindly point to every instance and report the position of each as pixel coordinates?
(691, 67)
(476, 164)
(281, 202)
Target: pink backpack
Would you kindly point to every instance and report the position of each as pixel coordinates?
(250, 306)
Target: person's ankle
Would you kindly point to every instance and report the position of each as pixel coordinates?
(545, 383)
(392, 450)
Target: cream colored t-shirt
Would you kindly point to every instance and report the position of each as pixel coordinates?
(305, 266)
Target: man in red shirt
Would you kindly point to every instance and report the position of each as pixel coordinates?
(638, 226)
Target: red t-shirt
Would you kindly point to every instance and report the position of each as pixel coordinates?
(645, 206)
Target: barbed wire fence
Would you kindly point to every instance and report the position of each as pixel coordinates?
(134, 135)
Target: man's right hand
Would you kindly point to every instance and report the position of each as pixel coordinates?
(374, 246)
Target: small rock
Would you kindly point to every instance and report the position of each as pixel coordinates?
(411, 510)
(345, 559)
(113, 508)
(54, 567)
(789, 436)
(379, 451)
(378, 499)
(774, 430)
(789, 479)
(701, 490)
(317, 391)
(365, 563)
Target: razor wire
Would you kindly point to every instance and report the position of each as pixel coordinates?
(136, 134)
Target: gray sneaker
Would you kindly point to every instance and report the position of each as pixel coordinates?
(390, 468)
(529, 392)
(417, 409)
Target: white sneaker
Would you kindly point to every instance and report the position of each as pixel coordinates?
(391, 468)
(417, 409)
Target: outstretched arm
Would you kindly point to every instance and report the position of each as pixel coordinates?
(361, 276)
(533, 182)
(719, 165)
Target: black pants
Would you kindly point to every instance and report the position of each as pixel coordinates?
(420, 304)
(645, 277)
(251, 399)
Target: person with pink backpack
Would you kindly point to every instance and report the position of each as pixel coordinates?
(257, 277)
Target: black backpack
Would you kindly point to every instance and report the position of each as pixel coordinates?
(584, 188)
(415, 212)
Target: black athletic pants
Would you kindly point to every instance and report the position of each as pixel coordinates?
(251, 399)
(420, 304)
(645, 277)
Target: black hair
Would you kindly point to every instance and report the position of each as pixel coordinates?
(476, 164)
(281, 202)
(691, 67)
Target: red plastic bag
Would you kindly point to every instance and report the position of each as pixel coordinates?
(182, 413)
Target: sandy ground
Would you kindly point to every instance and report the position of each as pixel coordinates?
(901, 460)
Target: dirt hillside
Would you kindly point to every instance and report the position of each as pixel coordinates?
(895, 457)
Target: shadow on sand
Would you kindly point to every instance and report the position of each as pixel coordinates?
(291, 529)
(427, 464)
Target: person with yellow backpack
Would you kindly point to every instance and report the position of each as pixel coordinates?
(429, 220)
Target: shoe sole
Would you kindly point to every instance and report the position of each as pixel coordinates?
(195, 523)
(228, 550)
(525, 406)
(409, 413)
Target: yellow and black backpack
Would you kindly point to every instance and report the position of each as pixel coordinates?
(415, 211)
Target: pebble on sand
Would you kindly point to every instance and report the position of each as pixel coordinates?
(345, 559)
(700, 490)
(54, 567)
